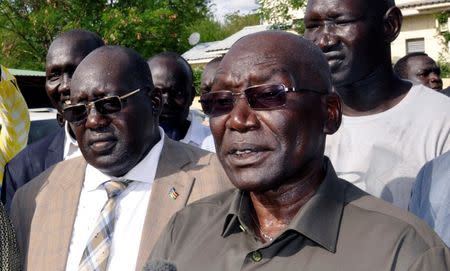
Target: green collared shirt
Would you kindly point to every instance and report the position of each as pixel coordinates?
(339, 228)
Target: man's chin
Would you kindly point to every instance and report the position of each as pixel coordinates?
(116, 168)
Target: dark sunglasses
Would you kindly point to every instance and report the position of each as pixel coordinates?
(259, 97)
(104, 106)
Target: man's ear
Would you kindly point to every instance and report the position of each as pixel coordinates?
(334, 113)
(392, 22)
(156, 98)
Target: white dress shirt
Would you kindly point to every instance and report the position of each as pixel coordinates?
(130, 212)
(199, 136)
(71, 149)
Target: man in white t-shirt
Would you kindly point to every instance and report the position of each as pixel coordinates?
(389, 128)
(172, 75)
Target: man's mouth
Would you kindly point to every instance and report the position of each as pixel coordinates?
(334, 59)
(244, 156)
(102, 144)
(65, 100)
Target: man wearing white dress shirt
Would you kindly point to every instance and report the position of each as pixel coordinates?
(173, 76)
(135, 177)
(65, 53)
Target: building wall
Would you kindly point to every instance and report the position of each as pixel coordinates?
(419, 26)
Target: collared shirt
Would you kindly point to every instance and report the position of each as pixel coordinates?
(339, 228)
(130, 212)
(71, 149)
(431, 195)
(199, 136)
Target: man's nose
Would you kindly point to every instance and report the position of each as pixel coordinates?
(327, 37)
(242, 117)
(433, 77)
(95, 120)
(64, 86)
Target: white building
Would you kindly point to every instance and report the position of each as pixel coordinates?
(421, 30)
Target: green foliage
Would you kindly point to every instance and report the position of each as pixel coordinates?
(445, 69)
(27, 27)
(197, 79)
(278, 13)
(442, 19)
(211, 30)
(444, 65)
(234, 22)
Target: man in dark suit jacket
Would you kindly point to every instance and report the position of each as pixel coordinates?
(64, 55)
(30, 162)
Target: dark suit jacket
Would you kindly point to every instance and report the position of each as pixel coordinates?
(30, 162)
(44, 210)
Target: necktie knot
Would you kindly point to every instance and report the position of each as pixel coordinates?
(114, 187)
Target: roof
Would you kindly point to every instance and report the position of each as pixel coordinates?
(17, 72)
(418, 3)
(204, 52)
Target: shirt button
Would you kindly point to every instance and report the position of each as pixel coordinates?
(256, 256)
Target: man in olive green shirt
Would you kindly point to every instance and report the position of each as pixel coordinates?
(270, 109)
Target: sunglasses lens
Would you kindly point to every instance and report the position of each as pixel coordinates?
(217, 103)
(266, 96)
(108, 105)
(75, 113)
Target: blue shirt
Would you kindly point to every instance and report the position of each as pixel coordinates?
(431, 195)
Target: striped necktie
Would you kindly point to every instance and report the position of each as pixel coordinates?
(96, 253)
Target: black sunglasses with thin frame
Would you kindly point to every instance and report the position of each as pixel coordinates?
(259, 97)
(107, 105)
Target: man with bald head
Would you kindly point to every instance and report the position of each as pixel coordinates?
(109, 208)
(64, 55)
(385, 138)
(208, 75)
(270, 109)
(172, 75)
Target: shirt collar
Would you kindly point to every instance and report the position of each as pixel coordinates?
(70, 143)
(194, 134)
(319, 219)
(144, 171)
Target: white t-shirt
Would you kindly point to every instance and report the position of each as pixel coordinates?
(382, 153)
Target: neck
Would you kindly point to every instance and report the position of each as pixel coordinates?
(376, 93)
(176, 130)
(275, 209)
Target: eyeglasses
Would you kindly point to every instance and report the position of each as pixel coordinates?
(259, 97)
(104, 106)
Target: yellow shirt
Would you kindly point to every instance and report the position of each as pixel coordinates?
(14, 118)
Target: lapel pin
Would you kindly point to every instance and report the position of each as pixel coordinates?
(173, 194)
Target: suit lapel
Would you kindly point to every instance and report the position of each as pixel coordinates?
(161, 206)
(55, 149)
(56, 217)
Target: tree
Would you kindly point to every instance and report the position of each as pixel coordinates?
(212, 30)
(279, 13)
(27, 27)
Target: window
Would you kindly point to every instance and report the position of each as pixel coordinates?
(415, 45)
